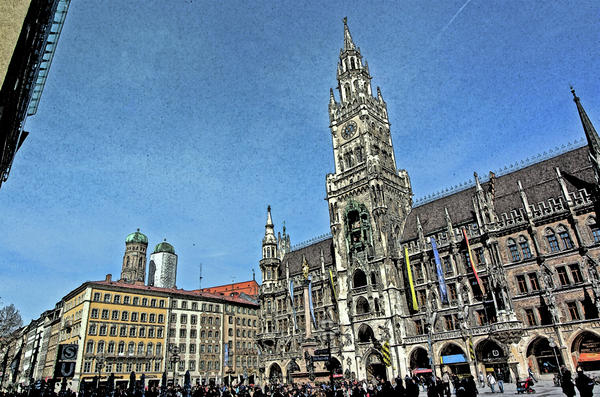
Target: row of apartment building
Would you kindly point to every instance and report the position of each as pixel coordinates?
(118, 327)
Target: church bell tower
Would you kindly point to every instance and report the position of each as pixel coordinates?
(369, 199)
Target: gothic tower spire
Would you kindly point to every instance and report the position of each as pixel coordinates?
(591, 135)
(348, 43)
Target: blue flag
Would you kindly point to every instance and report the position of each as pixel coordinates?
(291, 291)
(310, 302)
(440, 272)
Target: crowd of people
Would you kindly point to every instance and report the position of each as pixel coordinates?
(447, 385)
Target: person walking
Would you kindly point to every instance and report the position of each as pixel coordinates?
(567, 384)
(584, 383)
(500, 380)
(481, 379)
(530, 372)
(492, 382)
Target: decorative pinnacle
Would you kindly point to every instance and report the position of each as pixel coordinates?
(573, 92)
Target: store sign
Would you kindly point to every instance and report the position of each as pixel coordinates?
(453, 359)
(65, 364)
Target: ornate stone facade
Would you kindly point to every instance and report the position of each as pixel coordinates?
(514, 284)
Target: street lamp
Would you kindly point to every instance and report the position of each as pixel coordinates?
(329, 331)
(552, 344)
(100, 359)
(174, 360)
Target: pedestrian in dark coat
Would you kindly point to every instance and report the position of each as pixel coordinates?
(567, 384)
(584, 383)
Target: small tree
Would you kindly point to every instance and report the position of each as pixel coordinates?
(10, 321)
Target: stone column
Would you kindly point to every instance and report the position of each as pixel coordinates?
(307, 318)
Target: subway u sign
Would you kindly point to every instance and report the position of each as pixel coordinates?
(65, 363)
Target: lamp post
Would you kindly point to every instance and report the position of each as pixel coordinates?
(174, 360)
(552, 344)
(100, 359)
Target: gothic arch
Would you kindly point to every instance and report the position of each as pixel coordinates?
(490, 350)
(541, 355)
(585, 348)
(275, 373)
(359, 279)
(418, 358)
(362, 305)
(365, 334)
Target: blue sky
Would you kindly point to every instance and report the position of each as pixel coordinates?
(187, 119)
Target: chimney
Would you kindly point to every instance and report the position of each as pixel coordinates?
(108, 278)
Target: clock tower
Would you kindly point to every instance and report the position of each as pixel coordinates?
(369, 199)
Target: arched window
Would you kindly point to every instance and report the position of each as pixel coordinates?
(111, 347)
(365, 334)
(101, 346)
(121, 348)
(376, 304)
(373, 278)
(513, 250)
(552, 241)
(127, 264)
(360, 279)
(89, 348)
(347, 90)
(352, 64)
(563, 233)
(524, 244)
(594, 230)
(140, 262)
(149, 348)
(362, 306)
(140, 349)
(131, 348)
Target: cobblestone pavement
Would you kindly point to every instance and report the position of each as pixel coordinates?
(543, 388)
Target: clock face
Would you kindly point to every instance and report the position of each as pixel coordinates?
(349, 130)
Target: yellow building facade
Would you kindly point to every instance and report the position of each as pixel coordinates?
(119, 328)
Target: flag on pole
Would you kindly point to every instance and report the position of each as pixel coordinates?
(471, 261)
(413, 294)
(332, 284)
(440, 272)
(310, 301)
(291, 291)
(471, 349)
(385, 352)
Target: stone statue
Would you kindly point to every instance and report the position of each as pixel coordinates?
(305, 268)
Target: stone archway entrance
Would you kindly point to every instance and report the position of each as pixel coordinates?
(375, 367)
(454, 359)
(275, 374)
(541, 355)
(419, 361)
(493, 357)
(585, 351)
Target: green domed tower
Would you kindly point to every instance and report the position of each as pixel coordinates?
(134, 260)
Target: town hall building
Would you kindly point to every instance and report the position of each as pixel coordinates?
(500, 274)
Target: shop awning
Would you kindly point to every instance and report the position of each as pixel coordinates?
(421, 371)
(453, 359)
(586, 357)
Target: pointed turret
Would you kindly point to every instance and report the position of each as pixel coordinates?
(270, 260)
(269, 231)
(331, 97)
(591, 135)
(348, 43)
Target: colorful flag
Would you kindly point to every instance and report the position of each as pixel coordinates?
(413, 294)
(226, 355)
(310, 301)
(332, 284)
(440, 272)
(471, 261)
(385, 352)
(291, 291)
